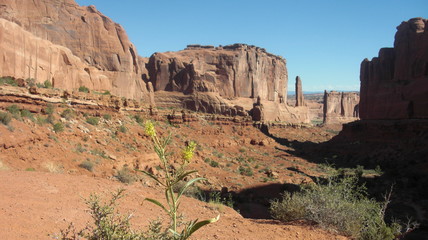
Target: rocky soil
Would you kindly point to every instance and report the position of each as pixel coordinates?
(43, 182)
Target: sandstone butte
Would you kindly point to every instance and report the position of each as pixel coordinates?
(394, 85)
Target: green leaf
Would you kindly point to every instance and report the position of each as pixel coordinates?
(194, 226)
(183, 175)
(182, 190)
(157, 203)
(152, 176)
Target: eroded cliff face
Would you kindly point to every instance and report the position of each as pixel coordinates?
(394, 85)
(232, 71)
(340, 107)
(89, 35)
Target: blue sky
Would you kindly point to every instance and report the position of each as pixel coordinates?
(323, 41)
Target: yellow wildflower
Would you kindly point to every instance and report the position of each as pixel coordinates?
(188, 151)
(150, 129)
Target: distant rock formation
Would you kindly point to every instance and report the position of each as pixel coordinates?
(299, 93)
(108, 60)
(394, 85)
(340, 107)
(237, 70)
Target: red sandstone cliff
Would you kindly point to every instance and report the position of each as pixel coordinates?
(101, 46)
(340, 107)
(236, 70)
(394, 85)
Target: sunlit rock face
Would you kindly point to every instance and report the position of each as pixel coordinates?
(101, 46)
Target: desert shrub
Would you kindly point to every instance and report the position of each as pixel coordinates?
(88, 165)
(30, 169)
(31, 82)
(214, 164)
(107, 116)
(50, 108)
(122, 129)
(93, 120)
(27, 114)
(45, 84)
(68, 113)
(83, 89)
(8, 81)
(341, 205)
(5, 118)
(246, 171)
(14, 110)
(139, 119)
(106, 92)
(58, 127)
(108, 223)
(124, 175)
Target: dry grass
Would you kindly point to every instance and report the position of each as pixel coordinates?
(53, 167)
(3, 167)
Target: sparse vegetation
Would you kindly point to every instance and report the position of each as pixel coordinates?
(45, 84)
(68, 114)
(14, 110)
(107, 117)
(88, 165)
(93, 120)
(172, 177)
(246, 171)
(341, 205)
(5, 118)
(8, 81)
(124, 175)
(83, 89)
(122, 129)
(58, 127)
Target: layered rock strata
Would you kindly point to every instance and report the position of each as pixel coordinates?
(394, 85)
(237, 70)
(98, 47)
(340, 107)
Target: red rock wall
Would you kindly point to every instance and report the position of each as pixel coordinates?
(340, 107)
(394, 85)
(233, 71)
(91, 36)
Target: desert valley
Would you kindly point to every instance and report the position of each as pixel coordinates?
(81, 113)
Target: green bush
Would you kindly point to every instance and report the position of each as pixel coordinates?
(50, 108)
(107, 116)
(8, 81)
(247, 171)
(45, 84)
(27, 114)
(14, 110)
(5, 118)
(122, 129)
(68, 114)
(58, 127)
(214, 164)
(83, 89)
(341, 205)
(93, 120)
(87, 165)
(139, 119)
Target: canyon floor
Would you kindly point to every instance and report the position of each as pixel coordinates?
(43, 181)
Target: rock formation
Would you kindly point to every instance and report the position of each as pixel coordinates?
(299, 93)
(233, 71)
(105, 53)
(394, 85)
(340, 107)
